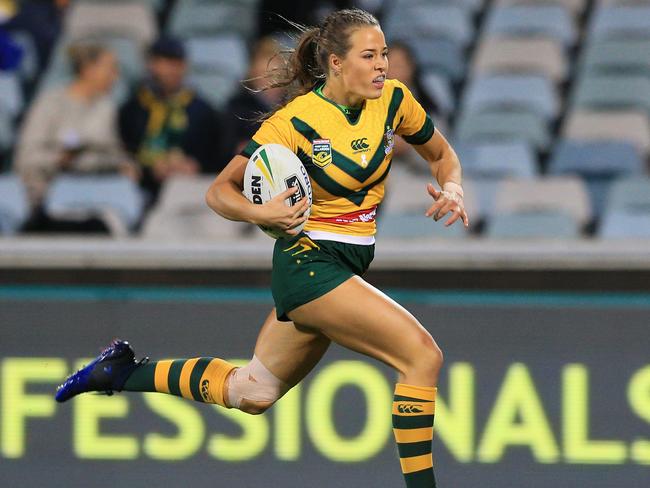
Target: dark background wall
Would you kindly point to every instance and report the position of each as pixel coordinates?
(539, 389)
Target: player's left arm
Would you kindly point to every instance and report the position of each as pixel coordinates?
(445, 168)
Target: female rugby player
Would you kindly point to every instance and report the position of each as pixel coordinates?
(341, 122)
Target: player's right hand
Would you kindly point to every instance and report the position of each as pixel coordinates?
(276, 214)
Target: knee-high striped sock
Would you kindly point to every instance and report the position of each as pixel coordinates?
(200, 379)
(413, 411)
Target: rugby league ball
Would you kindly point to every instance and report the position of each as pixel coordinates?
(271, 170)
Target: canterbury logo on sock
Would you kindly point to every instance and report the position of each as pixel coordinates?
(409, 408)
(205, 392)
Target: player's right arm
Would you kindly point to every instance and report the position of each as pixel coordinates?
(225, 197)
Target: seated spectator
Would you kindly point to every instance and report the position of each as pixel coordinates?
(167, 127)
(73, 127)
(241, 118)
(403, 66)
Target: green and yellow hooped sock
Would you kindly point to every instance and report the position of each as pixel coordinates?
(413, 413)
(200, 379)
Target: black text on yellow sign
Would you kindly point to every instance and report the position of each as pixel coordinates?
(516, 418)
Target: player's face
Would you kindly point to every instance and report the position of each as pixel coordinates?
(363, 69)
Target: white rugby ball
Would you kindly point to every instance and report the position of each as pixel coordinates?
(271, 170)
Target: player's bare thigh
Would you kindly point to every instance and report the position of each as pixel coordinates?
(358, 316)
(290, 352)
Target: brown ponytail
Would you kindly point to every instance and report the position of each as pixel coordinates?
(308, 64)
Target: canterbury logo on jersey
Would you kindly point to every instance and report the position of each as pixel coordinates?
(409, 408)
(360, 144)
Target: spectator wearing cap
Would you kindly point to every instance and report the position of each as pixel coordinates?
(168, 128)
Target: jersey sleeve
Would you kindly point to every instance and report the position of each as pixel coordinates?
(274, 130)
(416, 127)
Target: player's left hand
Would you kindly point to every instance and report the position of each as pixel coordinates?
(446, 202)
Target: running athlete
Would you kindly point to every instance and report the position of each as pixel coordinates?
(342, 125)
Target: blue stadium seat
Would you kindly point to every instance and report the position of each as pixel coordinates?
(503, 126)
(575, 7)
(11, 94)
(625, 225)
(6, 129)
(416, 225)
(483, 191)
(596, 158)
(533, 225)
(133, 20)
(632, 193)
(192, 18)
(14, 206)
(564, 194)
(517, 55)
(628, 209)
(439, 89)
(613, 92)
(225, 54)
(468, 5)
(442, 56)
(618, 56)
(114, 199)
(512, 92)
(216, 88)
(181, 214)
(599, 163)
(497, 160)
(551, 21)
(415, 20)
(623, 125)
(621, 22)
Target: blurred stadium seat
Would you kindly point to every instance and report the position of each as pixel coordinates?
(617, 56)
(628, 210)
(533, 225)
(543, 57)
(192, 18)
(11, 95)
(550, 21)
(134, 20)
(626, 125)
(182, 214)
(14, 207)
(512, 92)
(598, 163)
(419, 19)
(113, 199)
(503, 126)
(620, 22)
(576, 7)
(208, 55)
(497, 160)
(566, 195)
(6, 129)
(618, 92)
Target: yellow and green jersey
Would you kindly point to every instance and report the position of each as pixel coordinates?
(347, 160)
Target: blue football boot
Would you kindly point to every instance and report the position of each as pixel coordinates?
(106, 374)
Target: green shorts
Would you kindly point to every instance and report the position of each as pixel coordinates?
(304, 270)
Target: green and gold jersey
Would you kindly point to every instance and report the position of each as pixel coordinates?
(348, 162)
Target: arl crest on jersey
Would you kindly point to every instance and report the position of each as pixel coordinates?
(321, 152)
(347, 160)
